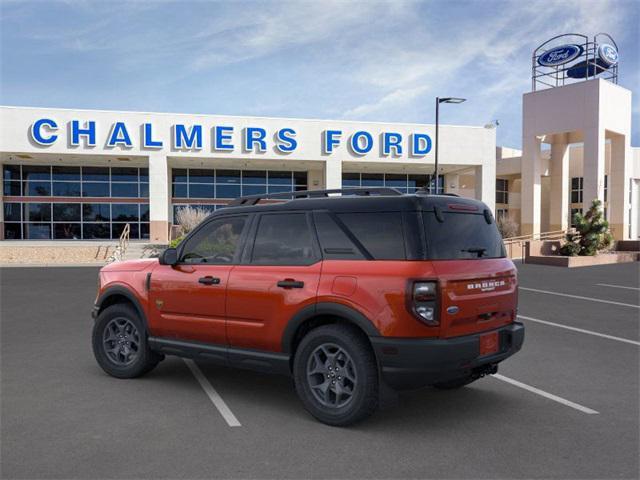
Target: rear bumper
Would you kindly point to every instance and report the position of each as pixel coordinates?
(414, 363)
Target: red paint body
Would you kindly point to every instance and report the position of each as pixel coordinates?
(247, 310)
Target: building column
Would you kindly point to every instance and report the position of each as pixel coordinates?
(485, 177)
(314, 179)
(559, 205)
(593, 167)
(618, 188)
(451, 183)
(332, 174)
(159, 198)
(1, 211)
(531, 186)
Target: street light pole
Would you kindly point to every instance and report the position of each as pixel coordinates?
(437, 143)
(438, 102)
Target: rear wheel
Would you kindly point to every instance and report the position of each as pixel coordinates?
(120, 343)
(336, 375)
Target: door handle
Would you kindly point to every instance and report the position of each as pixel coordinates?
(290, 283)
(209, 280)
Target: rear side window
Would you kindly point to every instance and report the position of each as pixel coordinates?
(335, 243)
(381, 233)
(283, 239)
(461, 236)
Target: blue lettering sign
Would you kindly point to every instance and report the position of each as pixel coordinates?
(420, 144)
(147, 137)
(221, 137)
(286, 140)
(119, 136)
(330, 140)
(391, 140)
(89, 131)
(359, 147)
(255, 136)
(186, 139)
(37, 134)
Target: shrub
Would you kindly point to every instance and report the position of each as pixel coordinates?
(507, 226)
(176, 241)
(189, 218)
(592, 233)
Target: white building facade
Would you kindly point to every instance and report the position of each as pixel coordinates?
(85, 174)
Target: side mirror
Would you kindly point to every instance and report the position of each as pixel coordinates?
(169, 257)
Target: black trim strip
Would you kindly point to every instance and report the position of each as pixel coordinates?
(269, 362)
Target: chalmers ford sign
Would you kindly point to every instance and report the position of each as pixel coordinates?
(222, 138)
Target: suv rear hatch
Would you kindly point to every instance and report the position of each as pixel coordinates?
(477, 283)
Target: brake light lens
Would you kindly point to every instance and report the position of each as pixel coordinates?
(424, 302)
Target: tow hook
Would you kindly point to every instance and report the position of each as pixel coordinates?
(484, 370)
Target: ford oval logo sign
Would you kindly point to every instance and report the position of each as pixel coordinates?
(608, 54)
(560, 55)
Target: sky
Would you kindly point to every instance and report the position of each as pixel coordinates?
(344, 60)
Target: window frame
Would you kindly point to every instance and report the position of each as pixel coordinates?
(247, 256)
(215, 218)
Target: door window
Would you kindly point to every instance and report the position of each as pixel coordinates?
(283, 239)
(216, 243)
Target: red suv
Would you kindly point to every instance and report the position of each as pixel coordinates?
(350, 294)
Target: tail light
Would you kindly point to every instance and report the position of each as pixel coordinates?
(424, 302)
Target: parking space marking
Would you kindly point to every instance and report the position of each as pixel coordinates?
(581, 330)
(581, 298)
(616, 286)
(213, 395)
(548, 395)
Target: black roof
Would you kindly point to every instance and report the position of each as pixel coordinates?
(377, 200)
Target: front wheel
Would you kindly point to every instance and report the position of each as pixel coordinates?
(336, 376)
(120, 345)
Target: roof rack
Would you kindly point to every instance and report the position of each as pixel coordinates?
(250, 200)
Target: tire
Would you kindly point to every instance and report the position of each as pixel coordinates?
(130, 356)
(340, 354)
(453, 384)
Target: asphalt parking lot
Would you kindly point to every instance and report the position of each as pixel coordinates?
(567, 406)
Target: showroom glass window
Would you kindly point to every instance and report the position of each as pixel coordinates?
(406, 183)
(78, 202)
(190, 186)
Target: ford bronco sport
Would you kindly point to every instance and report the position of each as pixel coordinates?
(352, 295)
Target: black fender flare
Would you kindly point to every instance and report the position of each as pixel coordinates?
(124, 292)
(325, 308)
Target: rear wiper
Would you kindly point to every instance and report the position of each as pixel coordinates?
(479, 250)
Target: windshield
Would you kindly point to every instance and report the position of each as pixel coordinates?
(461, 236)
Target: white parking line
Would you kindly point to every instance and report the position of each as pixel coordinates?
(616, 286)
(580, 298)
(213, 395)
(581, 330)
(548, 395)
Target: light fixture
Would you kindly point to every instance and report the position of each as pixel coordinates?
(451, 100)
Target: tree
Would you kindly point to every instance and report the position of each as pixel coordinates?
(507, 226)
(592, 233)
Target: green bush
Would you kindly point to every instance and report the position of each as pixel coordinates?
(592, 233)
(176, 241)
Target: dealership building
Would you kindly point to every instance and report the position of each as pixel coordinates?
(85, 174)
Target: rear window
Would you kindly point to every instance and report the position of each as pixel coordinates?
(461, 236)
